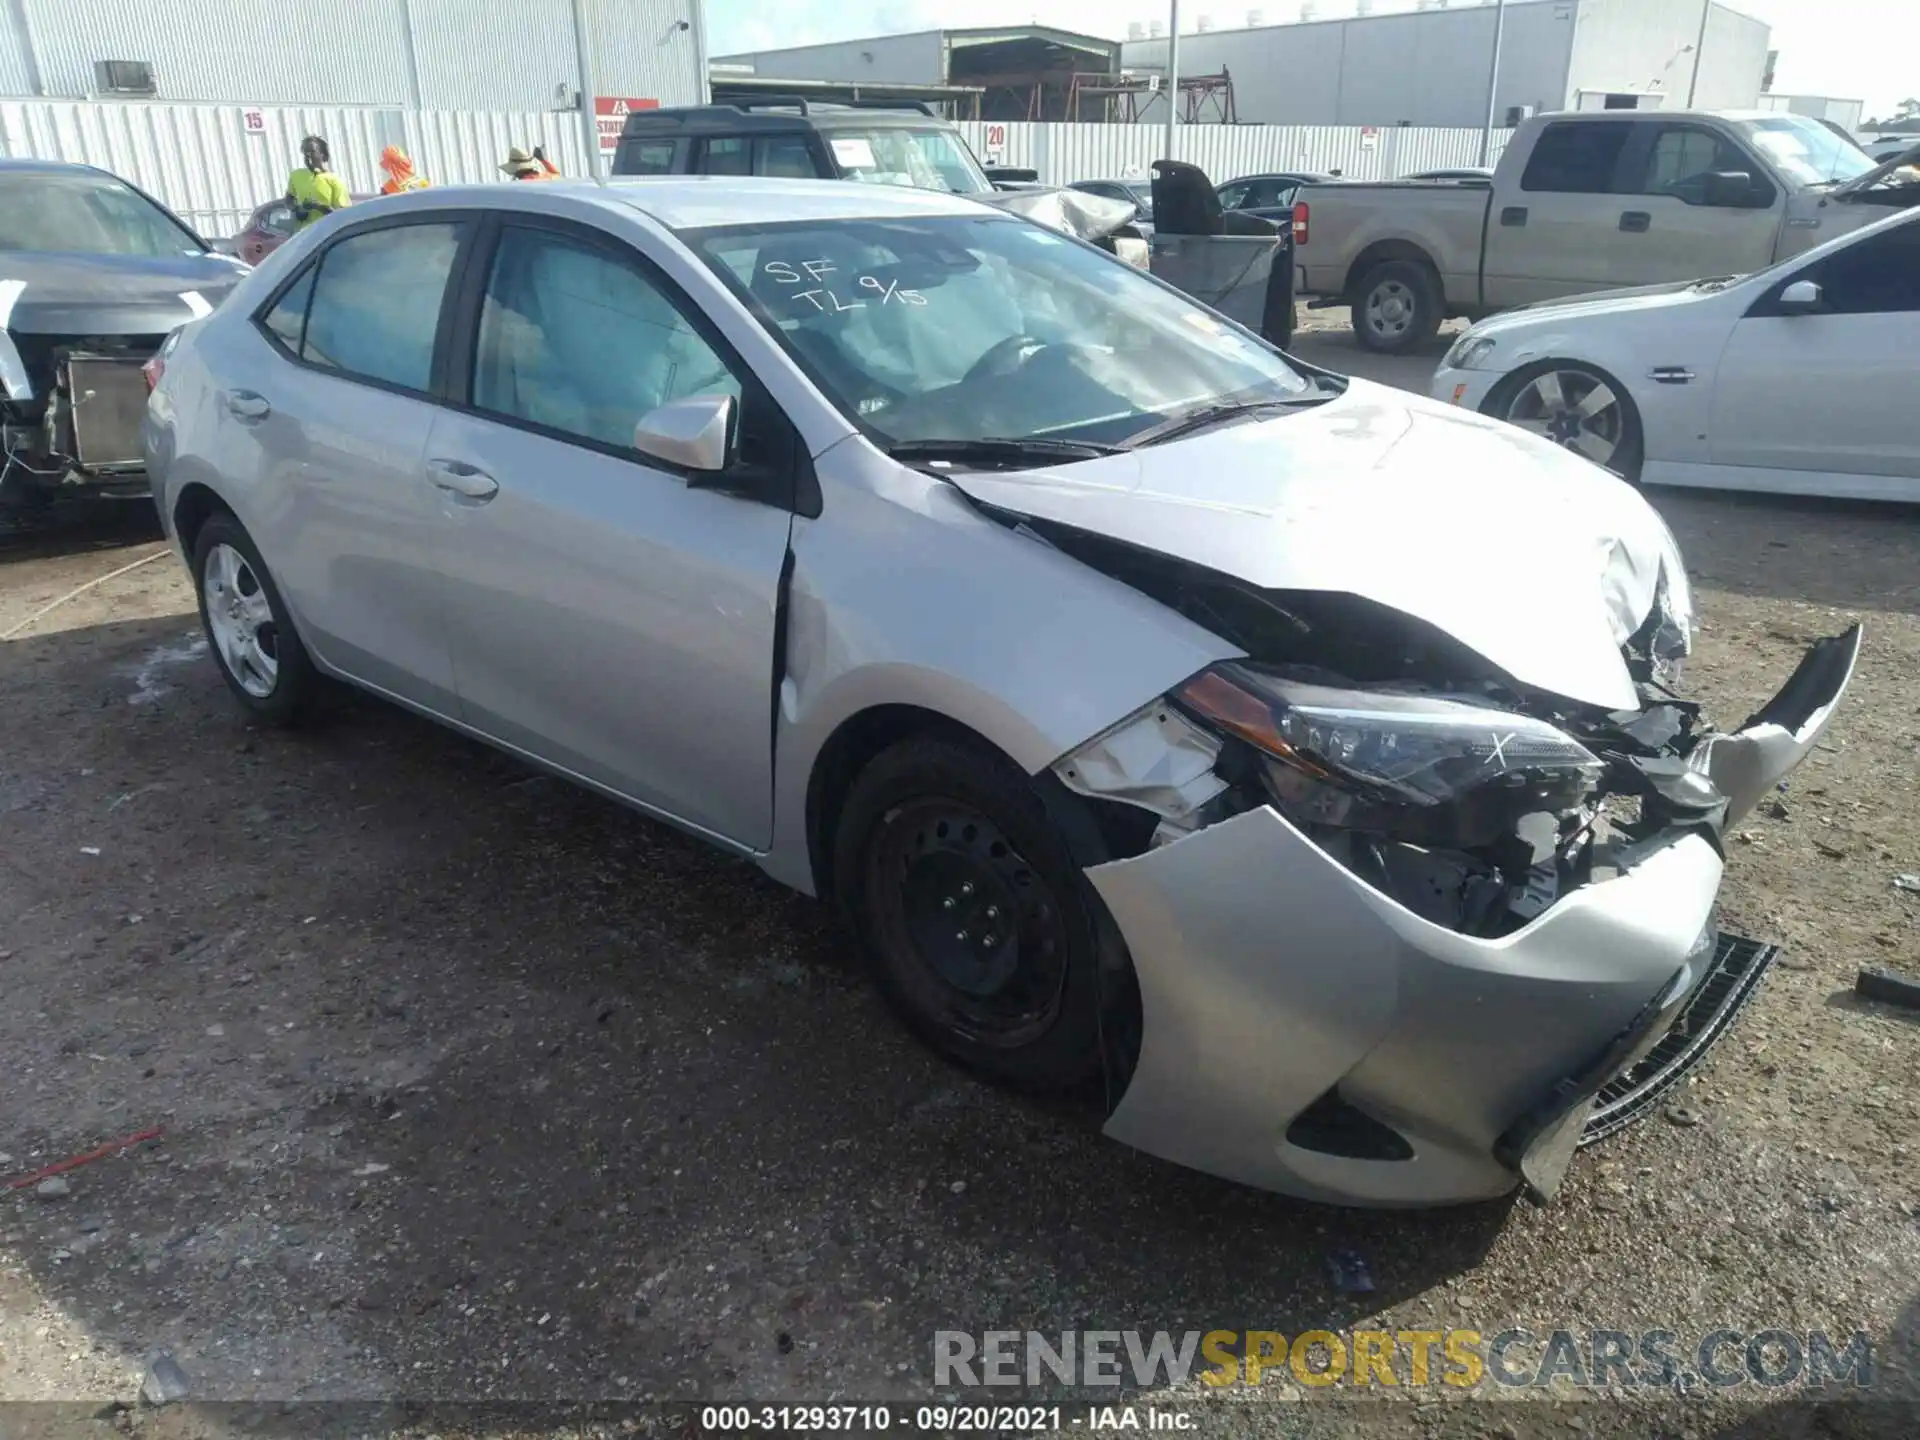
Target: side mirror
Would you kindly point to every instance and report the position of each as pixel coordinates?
(1734, 190)
(1799, 298)
(695, 433)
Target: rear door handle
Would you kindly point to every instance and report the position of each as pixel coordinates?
(1635, 221)
(457, 477)
(1513, 215)
(245, 405)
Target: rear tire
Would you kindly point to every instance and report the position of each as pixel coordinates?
(248, 629)
(1397, 307)
(981, 930)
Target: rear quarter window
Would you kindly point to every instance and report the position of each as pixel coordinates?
(1576, 157)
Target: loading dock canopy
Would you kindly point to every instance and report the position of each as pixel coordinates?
(1026, 70)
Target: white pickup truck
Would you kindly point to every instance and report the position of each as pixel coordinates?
(1587, 201)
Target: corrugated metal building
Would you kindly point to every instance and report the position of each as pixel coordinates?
(1429, 66)
(1024, 72)
(520, 55)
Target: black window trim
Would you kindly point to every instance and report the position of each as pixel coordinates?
(467, 223)
(459, 343)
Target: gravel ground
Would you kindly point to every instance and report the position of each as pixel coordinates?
(474, 1087)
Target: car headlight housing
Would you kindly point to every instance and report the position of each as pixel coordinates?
(1467, 352)
(1419, 768)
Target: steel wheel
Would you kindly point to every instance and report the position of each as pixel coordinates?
(1577, 409)
(984, 933)
(1392, 308)
(240, 617)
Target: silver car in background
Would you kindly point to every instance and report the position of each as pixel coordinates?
(1292, 757)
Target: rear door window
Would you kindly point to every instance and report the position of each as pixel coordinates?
(375, 304)
(784, 155)
(648, 157)
(726, 155)
(1574, 157)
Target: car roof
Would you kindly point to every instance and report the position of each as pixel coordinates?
(50, 167)
(694, 202)
(770, 115)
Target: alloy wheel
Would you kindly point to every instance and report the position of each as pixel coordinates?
(240, 617)
(1575, 409)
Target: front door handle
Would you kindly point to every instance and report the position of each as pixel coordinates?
(457, 477)
(1513, 215)
(245, 405)
(1635, 222)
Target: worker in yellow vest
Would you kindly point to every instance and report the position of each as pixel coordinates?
(314, 190)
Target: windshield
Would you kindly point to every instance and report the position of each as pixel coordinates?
(82, 214)
(1806, 151)
(963, 328)
(895, 155)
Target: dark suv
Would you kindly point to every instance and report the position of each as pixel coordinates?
(904, 144)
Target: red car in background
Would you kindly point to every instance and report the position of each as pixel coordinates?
(268, 228)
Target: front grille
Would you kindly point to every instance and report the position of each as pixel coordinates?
(1738, 966)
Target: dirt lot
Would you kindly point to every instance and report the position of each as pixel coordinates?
(474, 1086)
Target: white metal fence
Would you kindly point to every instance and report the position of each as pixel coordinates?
(203, 161)
(1065, 153)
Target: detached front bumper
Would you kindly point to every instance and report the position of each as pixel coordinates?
(1277, 986)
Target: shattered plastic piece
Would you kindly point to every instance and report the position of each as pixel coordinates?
(1885, 986)
(1907, 882)
(165, 1382)
(1156, 758)
(89, 849)
(55, 1187)
(372, 1167)
(1349, 1272)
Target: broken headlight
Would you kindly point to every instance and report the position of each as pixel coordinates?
(1419, 768)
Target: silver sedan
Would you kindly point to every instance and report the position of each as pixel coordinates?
(1295, 759)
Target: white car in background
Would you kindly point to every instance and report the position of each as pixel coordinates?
(1796, 379)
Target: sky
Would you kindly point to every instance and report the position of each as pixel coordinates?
(1852, 49)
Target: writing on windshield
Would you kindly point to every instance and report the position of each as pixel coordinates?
(817, 274)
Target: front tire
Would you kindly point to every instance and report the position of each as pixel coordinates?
(1578, 407)
(1397, 307)
(248, 630)
(978, 924)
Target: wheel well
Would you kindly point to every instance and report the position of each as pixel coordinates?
(192, 510)
(1381, 251)
(846, 753)
(1511, 382)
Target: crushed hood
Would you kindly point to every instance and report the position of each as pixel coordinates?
(1869, 178)
(1077, 213)
(111, 294)
(1539, 561)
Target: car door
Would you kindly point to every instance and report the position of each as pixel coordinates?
(1830, 389)
(1677, 221)
(607, 613)
(1556, 233)
(324, 415)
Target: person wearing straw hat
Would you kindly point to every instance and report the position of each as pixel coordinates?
(522, 166)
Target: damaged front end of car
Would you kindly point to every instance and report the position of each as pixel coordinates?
(70, 410)
(1407, 927)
